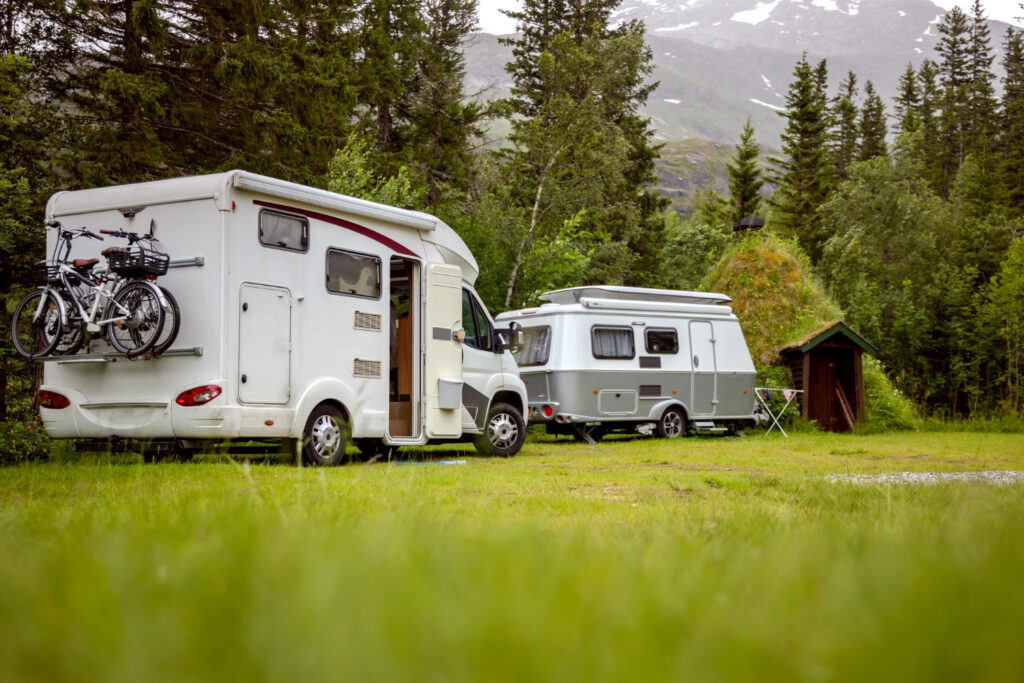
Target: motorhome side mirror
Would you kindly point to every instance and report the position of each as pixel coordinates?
(509, 340)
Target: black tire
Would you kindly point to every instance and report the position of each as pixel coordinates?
(37, 336)
(372, 448)
(504, 431)
(73, 336)
(172, 322)
(596, 433)
(325, 436)
(672, 424)
(137, 333)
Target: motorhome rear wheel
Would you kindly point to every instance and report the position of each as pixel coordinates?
(325, 436)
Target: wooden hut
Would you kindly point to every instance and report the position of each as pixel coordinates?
(827, 366)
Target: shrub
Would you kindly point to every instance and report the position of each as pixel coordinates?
(887, 409)
(22, 441)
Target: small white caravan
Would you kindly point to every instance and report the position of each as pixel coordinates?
(600, 358)
(305, 314)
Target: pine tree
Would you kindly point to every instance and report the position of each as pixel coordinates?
(845, 133)
(1013, 119)
(805, 180)
(907, 102)
(931, 152)
(872, 124)
(745, 179)
(982, 105)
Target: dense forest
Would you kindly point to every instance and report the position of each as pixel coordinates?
(911, 214)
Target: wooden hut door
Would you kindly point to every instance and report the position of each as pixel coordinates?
(828, 402)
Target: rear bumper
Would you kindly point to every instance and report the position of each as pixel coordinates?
(163, 420)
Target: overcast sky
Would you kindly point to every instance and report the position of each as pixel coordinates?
(493, 21)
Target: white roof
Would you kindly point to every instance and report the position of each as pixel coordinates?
(218, 186)
(574, 295)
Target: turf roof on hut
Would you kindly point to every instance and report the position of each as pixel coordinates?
(833, 329)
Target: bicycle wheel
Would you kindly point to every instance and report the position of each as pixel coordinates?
(139, 318)
(72, 336)
(36, 324)
(172, 321)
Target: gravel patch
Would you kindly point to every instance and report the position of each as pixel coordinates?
(928, 478)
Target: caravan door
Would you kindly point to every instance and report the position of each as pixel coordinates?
(443, 331)
(704, 386)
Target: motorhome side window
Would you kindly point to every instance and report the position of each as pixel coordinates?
(353, 274)
(612, 342)
(475, 323)
(661, 340)
(536, 346)
(283, 231)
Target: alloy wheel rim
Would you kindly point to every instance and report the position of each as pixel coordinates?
(673, 424)
(326, 436)
(502, 430)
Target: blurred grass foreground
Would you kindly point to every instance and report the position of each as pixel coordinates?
(699, 559)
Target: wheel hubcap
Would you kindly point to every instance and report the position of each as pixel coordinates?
(673, 423)
(502, 430)
(326, 436)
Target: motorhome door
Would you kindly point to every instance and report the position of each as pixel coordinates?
(443, 331)
(704, 387)
(264, 344)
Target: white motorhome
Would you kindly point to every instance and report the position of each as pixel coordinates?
(305, 314)
(596, 359)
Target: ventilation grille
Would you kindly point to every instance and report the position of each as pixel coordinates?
(650, 390)
(366, 368)
(650, 361)
(367, 321)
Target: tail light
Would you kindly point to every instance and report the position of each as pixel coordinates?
(52, 400)
(548, 411)
(197, 396)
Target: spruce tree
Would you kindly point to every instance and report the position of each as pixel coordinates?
(932, 154)
(872, 124)
(1013, 119)
(982, 103)
(745, 179)
(805, 177)
(907, 102)
(955, 69)
(845, 133)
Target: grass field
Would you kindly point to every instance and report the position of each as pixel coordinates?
(699, 559)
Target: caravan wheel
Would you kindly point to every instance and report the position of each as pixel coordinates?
(325, 436)
(504, 432)
(672, 424)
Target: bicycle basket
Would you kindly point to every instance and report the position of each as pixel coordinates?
(138, 262)
(46, 274)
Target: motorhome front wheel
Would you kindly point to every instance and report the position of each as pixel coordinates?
(325, 436)
(504, 432)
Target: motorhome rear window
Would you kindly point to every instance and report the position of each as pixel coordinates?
(284, 231)
(536, 346)
(662, 340)
(612, 342)
(353, 274)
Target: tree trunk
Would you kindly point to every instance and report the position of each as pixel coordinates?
(534, 220)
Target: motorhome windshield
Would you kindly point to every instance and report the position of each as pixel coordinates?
(536, 346)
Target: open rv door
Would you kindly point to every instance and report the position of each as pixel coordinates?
(443, 332)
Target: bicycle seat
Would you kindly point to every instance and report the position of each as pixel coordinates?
(84, 262)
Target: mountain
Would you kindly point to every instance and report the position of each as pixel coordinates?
(720, 61)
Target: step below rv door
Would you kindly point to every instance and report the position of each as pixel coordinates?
(443, 332)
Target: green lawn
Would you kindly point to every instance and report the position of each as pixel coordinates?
(699, 559)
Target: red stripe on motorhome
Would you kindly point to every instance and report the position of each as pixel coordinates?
(341, 223)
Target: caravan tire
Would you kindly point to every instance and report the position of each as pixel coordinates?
(504, 431)
(325, 437)
(672, 424)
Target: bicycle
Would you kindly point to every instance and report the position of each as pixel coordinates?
(66, 307)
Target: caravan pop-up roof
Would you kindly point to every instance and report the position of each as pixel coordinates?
(573, 295)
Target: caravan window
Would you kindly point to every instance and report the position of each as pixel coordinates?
(353, 274)
(284, 231)
(612, 342)
(662, 340)
(536, 346)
